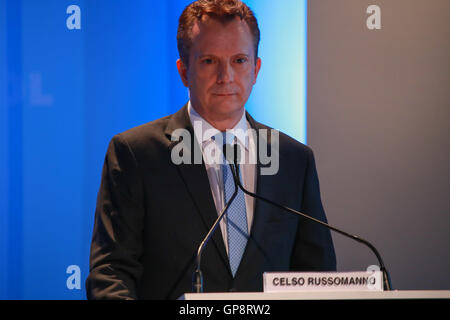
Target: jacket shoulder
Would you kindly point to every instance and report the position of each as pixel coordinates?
(145, 132)
(287, 144)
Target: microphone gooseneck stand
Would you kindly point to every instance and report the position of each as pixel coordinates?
(386, 278)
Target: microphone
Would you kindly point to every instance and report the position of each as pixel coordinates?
(197, 276)
(235, 163)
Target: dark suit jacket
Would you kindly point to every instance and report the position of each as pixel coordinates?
(151, 216)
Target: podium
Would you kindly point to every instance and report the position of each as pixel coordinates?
(321, 295)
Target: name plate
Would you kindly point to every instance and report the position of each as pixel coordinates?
(322, 281)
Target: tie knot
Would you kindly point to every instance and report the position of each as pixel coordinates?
(225, 141)
(227, 138)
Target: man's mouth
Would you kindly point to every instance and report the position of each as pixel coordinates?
(224, 94)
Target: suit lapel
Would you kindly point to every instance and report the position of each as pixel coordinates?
(196, 180)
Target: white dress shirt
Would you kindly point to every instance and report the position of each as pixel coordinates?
(212, 153)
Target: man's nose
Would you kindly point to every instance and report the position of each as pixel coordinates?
(225, 73)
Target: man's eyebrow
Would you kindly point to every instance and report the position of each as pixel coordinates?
(205, 55)
(213, 55)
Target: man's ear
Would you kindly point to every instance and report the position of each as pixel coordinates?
(182, 70)
(257, 67)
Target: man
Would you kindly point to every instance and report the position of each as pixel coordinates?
(153, 212)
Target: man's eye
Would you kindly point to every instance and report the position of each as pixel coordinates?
(207, 61)
(241, 60)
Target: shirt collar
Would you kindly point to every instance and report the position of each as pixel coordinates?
(204, 131)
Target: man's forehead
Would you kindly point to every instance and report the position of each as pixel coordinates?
(210, 24)
(207, 37)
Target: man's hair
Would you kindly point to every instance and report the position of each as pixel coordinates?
(222, 10)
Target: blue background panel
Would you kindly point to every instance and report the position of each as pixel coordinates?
(65, 93)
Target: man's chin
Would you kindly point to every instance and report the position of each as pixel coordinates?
(230, 109)
(221, 108)
(230, 103)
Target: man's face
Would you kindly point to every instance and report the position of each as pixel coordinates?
(222, 69)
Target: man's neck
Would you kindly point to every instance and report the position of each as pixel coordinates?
(222, 123)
